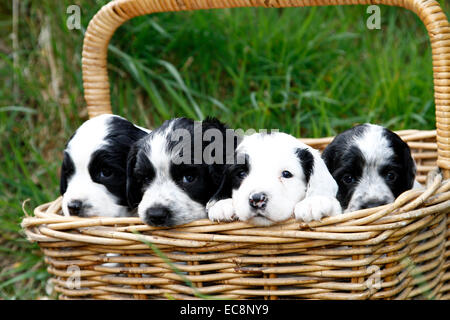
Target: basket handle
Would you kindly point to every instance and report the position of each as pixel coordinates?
(112, 15)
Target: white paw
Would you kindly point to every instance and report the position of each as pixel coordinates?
(317, 207)
(222, 210)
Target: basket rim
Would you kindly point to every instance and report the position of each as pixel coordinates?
(367, 225)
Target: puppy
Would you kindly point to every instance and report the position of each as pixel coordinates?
(93, 173)
(174, 171)
(372, 166)
(275, 177)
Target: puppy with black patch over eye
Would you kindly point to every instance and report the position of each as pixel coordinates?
(174, 171)
(274, 178)
(372, 166)
(93, 173)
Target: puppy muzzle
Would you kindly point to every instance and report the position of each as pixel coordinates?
(77, 208)
(158, 216)
(258, 200)
(372, 203)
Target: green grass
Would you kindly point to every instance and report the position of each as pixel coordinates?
(310, 72)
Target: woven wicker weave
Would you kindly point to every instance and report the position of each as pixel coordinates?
(397, 251)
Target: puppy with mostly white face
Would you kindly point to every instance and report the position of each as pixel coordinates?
(174, 171)
(275, 177)
(372, 166)
(93, 173)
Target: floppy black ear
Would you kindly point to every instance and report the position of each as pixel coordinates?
(216, 174)
(307, 162)
(225, 187)
(230, 179)
(67, 170)
(402, 153)
(409, 165)
(318, 178)
(62, 183)
(134, 194)
(329, 156)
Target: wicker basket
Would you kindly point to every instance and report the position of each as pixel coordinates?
(397, 251)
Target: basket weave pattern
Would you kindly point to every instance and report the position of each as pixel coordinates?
(397, 251)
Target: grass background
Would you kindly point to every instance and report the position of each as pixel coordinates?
(310, 72)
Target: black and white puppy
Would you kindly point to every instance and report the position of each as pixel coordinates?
(174, 171)
(93, 173)
(275, 177)
(372, 166)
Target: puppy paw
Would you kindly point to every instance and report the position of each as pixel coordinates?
(317, 207)
(221, 210)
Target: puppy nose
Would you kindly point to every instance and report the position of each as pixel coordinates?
(258, 200)
(157, 216)
(373, 204)
(74, 207)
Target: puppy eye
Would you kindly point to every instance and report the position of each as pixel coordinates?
(106, 173)
(146, 180)
(348, 179)
(391, 176)
(242, 174)
(188, 178)
(286, 174)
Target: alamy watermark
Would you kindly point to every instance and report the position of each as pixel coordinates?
(73, 21)
(74, 279)
(74, 17)
(373, 283)
(374, 20)
(189, 147)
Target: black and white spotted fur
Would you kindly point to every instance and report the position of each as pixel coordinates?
(372, 166)
(275, 177)
(169, 179)
(93, 173)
